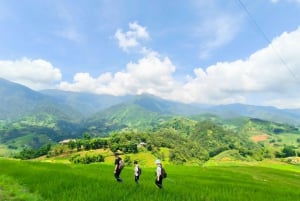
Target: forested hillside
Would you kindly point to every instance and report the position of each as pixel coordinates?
(181, 140)
(32, 120)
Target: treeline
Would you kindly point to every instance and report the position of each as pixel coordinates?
(204, 140)
(29, 153)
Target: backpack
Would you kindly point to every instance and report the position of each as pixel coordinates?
(139, 171)
(163, 173)
(121, 164)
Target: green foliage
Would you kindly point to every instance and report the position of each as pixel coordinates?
(289, 151)
(128, 160)
(87, 158)
(29, 153)
(186, 139)
(215, 139)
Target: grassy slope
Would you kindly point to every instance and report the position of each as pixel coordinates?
(65, 182)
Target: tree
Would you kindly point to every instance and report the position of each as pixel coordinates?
(72, 144)
(128, 160)
(289, 151)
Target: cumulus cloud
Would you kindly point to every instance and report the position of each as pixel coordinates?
(272, 71)
(36, 74)
(151, 74)
(271, 74)
(130, 39)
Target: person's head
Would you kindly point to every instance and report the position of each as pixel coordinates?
(135, 162)
(157, 162)
(116, 155)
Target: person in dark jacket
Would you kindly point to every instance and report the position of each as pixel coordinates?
(117, 170)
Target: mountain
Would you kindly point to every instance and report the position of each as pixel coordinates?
(31, 118)
(268, 113)
(143, 112)
(86, 103)
(18, 101)
(128, 115)
(155, 104)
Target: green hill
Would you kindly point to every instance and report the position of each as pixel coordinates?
(130, 115)
(18, 101)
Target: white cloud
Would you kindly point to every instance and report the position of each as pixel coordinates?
(151, 74)
(36, 74)
(271, 74)
(216, 32)
(216, 26)
(273, 71)
(130, 38)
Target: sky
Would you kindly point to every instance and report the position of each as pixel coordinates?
(193, 51)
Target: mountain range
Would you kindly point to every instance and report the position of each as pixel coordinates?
(18, 101)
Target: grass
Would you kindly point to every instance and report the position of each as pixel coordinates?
(68, 182)
(10, 190)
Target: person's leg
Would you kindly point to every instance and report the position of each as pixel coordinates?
(117, 175)
(136, 179)
(158, 183)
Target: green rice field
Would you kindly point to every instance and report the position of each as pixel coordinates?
(43, 181)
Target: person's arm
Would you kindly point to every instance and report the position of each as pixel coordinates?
(116, 165)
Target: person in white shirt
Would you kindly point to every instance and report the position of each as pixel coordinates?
(159, 178)
(136, 172)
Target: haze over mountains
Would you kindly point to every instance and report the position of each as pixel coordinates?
(18, 101)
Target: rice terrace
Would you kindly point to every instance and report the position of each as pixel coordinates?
(34, 180)
(161, 100)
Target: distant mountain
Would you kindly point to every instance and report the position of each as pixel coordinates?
(18, 101)
(261, 112)
(155, 104)
(86, 103)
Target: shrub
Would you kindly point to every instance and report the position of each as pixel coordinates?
(86, 159)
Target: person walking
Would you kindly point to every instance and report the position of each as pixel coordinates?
(137, 172)
(159, 177)
(118, 167)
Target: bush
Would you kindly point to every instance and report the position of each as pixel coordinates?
(289, 151)
(87, 159)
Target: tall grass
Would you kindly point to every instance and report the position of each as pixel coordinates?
(67, 182)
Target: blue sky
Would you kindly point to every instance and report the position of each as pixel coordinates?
(194, 51)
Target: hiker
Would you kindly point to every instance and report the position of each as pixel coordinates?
(159, 176)
(137, 172)
(118, 167)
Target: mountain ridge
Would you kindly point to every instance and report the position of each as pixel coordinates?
(18, 101)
